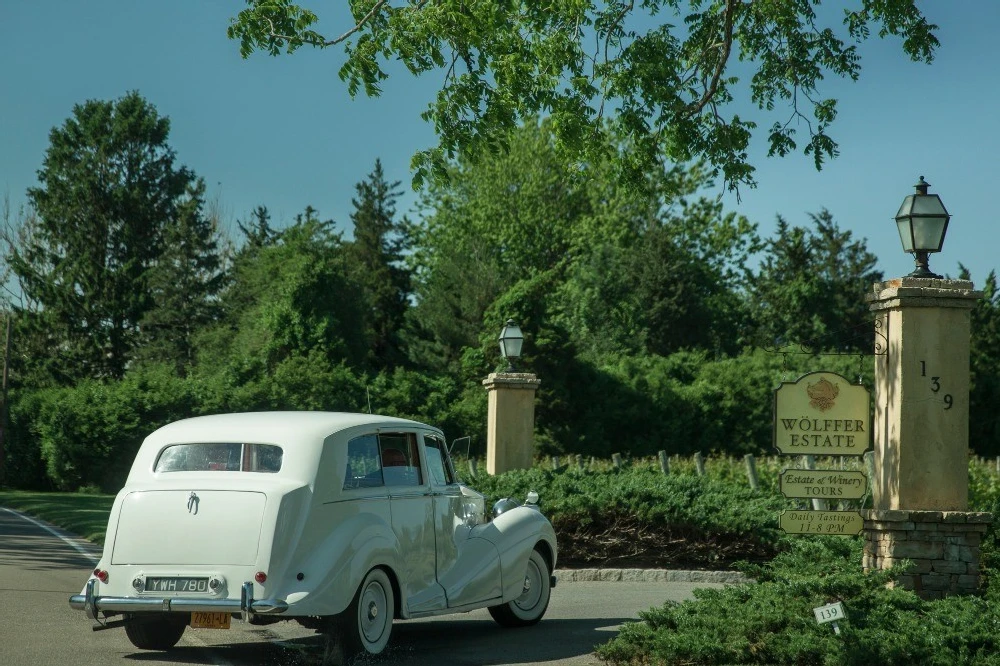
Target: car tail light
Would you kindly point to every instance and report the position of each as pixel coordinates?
(101, 574)
(260, 577)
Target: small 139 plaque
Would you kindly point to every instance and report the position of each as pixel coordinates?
(830, 613)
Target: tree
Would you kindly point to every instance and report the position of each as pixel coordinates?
(984, 422)
(184, 282)
(288, 300)
(676, 283)
(108, 191)
(377, 265)
(257, 232)
(668, 68)
(811, 288)
(490, 222)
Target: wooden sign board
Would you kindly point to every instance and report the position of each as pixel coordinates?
(839, 523)
(822, 484)
(822, 414)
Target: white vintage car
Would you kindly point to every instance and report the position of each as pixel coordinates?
(341, 522)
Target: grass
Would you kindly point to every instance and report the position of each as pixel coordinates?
(82, 514)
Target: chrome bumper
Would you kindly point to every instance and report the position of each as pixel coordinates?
(246, 606)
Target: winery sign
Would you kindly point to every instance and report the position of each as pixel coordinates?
(822, 414)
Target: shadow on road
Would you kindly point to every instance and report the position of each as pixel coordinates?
(464, 642)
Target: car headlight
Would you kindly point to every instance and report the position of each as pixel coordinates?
(504, 505)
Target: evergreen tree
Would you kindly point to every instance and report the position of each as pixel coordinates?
(257, 232)
(984, 421)
(811, 288)
(184, 282)
(377, 265)
(108, 190)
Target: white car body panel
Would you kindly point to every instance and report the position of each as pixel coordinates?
(313, 526)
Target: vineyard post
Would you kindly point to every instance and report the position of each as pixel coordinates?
(751, 471)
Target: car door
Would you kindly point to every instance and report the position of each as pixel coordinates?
(467, 568)
(411, 506)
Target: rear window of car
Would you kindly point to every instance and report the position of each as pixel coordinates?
(220, 457)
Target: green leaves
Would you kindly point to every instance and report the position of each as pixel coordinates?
(663, 73)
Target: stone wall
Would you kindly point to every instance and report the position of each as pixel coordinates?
(942, 545)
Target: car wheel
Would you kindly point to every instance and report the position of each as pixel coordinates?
(155, 632)
(367, 623)
(528, 608)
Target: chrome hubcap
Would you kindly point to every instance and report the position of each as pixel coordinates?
(531, 594)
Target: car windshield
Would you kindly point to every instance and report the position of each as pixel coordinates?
(220, 457)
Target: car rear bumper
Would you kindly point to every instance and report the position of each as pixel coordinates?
(246, 605)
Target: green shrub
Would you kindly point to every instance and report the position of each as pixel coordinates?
(89, 434)
(771, 621)
(640, 517)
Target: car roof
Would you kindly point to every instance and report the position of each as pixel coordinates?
(270, 426)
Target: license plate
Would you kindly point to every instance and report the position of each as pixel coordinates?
(210, 620)
(179, 584)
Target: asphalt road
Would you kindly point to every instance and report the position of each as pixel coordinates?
(40, 568)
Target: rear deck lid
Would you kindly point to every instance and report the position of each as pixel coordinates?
(189, 527)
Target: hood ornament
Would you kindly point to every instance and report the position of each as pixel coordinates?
(193, 501)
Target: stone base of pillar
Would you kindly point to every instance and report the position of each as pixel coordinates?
(942, 545)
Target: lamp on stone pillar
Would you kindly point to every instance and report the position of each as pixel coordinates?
(922, 222)
(511, 340)
(920, 471)
(510, 427)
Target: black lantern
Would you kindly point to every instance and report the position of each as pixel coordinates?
(511, 339)
(922, 222)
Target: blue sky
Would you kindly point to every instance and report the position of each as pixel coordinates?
(284, 133)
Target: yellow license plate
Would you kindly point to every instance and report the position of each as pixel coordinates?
(210, 620)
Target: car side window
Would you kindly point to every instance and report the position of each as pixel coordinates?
(437, 457)
(400, 461)
(364, 469)
(385, 459)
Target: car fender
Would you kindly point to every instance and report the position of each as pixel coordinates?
(515, 533)
(334, 568)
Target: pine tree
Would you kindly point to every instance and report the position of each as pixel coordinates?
(108, 190)
(377, 265)
(184, 283)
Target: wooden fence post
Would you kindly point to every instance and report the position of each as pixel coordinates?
(752, 471)
(699, 463)
(579, 461)
(665, 462)
(616, 458)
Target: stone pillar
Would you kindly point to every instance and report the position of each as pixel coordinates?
(510, 431)
(922, 394)
(921, 432)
